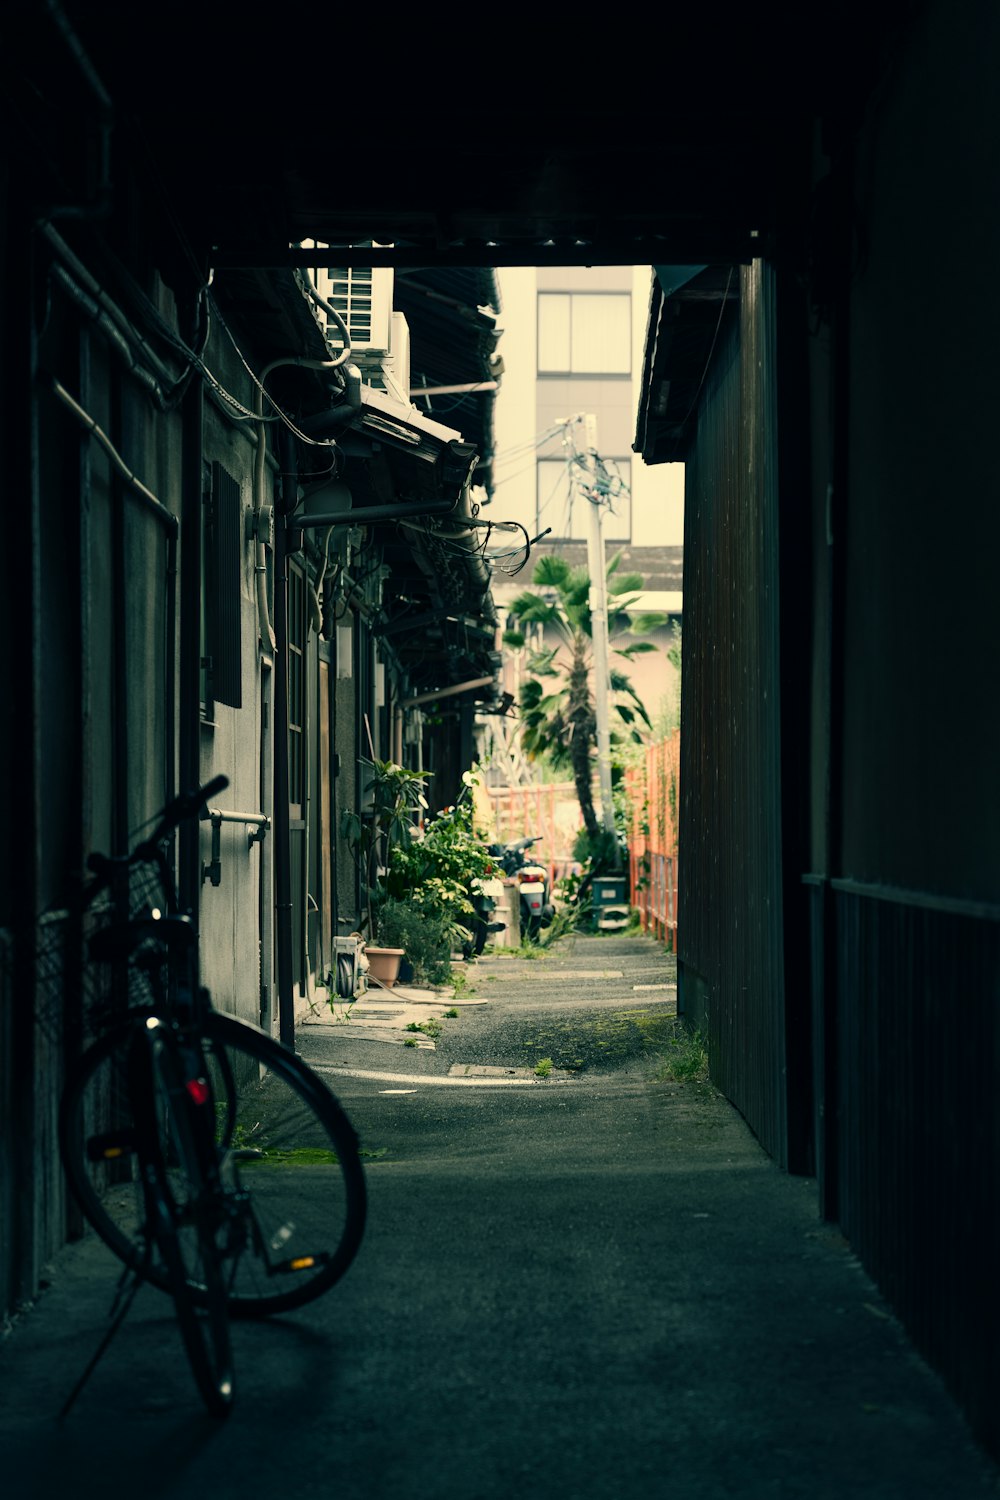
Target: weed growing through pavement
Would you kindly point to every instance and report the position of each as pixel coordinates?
(685, 1059)
(451, 1015)
(610, 1040)
(431, 1028)
(340, 1010)
(543, 1067)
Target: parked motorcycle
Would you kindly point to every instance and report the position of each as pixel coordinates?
(486, 895)
(534, 885)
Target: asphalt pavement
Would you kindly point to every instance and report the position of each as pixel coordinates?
(582, 1277)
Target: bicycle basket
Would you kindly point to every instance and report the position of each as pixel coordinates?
(71, 987)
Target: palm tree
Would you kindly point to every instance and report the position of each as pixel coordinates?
(559, 720)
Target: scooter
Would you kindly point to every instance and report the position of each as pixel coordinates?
(486, 894)
(536, 908)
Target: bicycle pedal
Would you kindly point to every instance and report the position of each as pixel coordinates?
(110, 1145)
(299, 1263)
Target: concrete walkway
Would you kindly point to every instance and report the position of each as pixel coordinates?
(593, 1287)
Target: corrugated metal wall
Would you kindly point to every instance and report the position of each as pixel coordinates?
(730, 919)
(918, 1127)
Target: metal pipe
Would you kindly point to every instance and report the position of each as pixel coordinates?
(599, 630)
(363, 514)
(100, 206)
(256, 820)
(170, 525)
(192, 454)
(165, 516)
(453, 390)
(260, 823)
(447, 692)
(282, 832)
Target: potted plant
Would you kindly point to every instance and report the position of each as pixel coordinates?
(425, 936)
(393, 796)
(437, 875)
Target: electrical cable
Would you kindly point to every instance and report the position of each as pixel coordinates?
(305, 282)
(300, 360)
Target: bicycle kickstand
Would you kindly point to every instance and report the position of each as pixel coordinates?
(126, 1288)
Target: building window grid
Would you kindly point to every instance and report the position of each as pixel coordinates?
(585, 333)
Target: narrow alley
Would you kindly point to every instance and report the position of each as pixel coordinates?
(578, 1280)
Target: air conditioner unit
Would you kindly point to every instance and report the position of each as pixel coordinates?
(396, 365)
(362, 295)
(351, 967)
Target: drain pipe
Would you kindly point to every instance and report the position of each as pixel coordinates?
(281, 816)
(189, 747)
(169, 526)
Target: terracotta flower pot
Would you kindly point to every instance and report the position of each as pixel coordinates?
(383, 964)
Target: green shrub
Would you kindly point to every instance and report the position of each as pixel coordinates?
(424, 937)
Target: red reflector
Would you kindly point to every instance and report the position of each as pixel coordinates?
(198, 1089)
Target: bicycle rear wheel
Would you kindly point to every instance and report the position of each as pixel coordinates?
(295, 1192)
(184, 1221)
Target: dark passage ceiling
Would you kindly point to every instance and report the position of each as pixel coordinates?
(470, 138)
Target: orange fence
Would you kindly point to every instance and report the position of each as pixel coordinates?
(653, 791)
(548, 811)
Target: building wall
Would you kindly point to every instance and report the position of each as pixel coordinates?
(233, 741)
(529, 404)
(731, 974)
(911, 924)
(840, 726)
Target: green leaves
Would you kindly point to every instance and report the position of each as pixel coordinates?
(543, 662)
(534, 609)
(552, 571)
(558, 714)
(643, 624)
(626, 583)
(636, 648)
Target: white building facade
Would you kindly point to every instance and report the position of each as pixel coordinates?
(573, 342)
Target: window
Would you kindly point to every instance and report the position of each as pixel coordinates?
(584, 333)
(561, 505)
(222, 544)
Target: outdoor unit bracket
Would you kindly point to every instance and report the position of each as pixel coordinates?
(257, 825)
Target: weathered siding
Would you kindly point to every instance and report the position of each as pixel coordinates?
(730, 919)
(918, 1043)
(911, 942)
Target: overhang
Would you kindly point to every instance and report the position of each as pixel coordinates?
(406, 479)
(689, 308)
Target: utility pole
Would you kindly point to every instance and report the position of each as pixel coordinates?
(599, 626)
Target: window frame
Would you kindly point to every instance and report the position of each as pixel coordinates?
(597, 372)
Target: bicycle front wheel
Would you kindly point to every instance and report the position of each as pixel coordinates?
(183, 1207)
(295, 1197)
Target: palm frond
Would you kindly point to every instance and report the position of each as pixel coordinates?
(643, 624)
(637, 648)
(551, 571)
(627, 583)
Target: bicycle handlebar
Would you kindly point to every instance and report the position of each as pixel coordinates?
(178, 810)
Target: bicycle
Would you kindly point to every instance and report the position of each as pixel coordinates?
(207, 1156)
